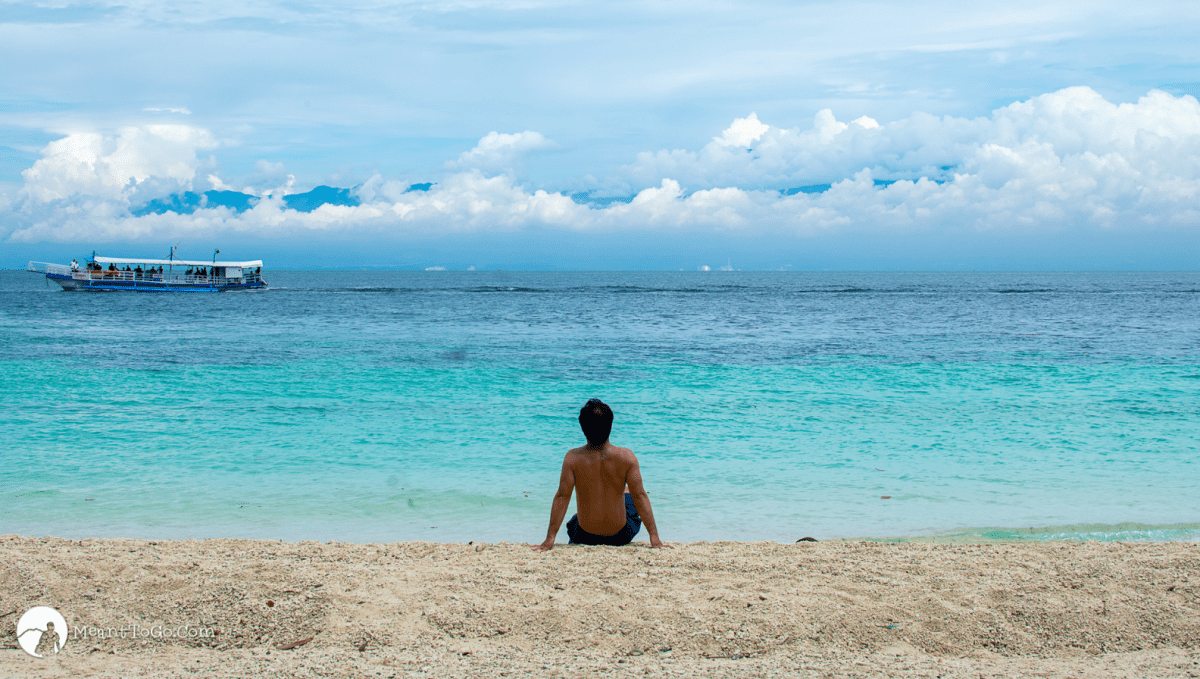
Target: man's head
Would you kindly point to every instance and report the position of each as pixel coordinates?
(595, 418)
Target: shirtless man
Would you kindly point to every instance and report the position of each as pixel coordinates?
(599, 470)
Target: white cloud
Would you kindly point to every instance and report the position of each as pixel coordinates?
(1057, 160)
(267, 168)
(218, 184)
(93, 164)
(497, 152)
(865, 122)
(1065, 161)
(743, 132)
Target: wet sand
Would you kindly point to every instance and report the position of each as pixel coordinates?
(723, 609)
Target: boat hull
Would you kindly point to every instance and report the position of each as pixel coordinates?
(73, 283)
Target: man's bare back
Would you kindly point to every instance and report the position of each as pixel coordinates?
(601, 475)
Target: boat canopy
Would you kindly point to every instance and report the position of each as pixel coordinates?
(175, 262)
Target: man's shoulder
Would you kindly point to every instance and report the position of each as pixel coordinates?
(622, 453)
(614, 451)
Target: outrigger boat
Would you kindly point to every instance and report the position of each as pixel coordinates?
(154, 275)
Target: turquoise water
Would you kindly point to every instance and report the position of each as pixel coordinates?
(436, 406)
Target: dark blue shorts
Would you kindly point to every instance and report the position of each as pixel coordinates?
(633, 524)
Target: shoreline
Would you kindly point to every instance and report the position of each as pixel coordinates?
(739, 609)
(1129, 531)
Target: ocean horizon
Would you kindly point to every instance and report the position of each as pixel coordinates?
(378, 406)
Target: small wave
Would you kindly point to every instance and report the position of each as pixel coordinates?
(841, 290)
(1018, 291)
(628, 289)
(352, 290)
(290, 409)
(371, 289)
(1121, 532)
(508, 288)
(45, 492)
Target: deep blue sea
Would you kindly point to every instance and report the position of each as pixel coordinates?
(384, 406)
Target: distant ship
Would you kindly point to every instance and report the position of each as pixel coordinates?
(154, 275)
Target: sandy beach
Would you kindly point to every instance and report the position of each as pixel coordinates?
(722, 609)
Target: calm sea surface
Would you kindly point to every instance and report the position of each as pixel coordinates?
(366, 406)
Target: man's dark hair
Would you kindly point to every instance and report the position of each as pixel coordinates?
(595, 418)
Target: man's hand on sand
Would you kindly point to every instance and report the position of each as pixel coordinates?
(548, 545)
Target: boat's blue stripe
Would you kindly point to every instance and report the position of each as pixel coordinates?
(150, 286)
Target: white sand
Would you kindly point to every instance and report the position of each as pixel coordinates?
(713, 609)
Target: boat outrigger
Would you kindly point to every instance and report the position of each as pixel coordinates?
(154, 275)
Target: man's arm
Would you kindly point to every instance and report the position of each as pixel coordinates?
(641, 500)
(558, 510)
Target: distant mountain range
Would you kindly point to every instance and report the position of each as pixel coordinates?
(189, 201)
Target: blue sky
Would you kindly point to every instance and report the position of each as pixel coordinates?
(607, 135)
